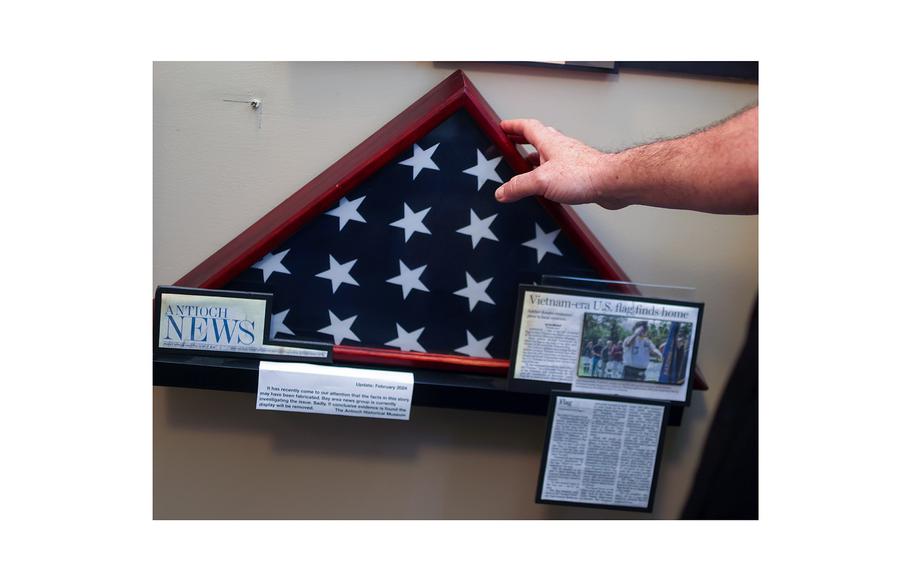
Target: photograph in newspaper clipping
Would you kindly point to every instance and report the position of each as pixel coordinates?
(606, 343)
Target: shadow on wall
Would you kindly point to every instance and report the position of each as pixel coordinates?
(432, 431)
(229, 412)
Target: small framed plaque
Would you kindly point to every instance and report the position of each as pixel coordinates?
(605, 343)
(602, 451)
(221, 322)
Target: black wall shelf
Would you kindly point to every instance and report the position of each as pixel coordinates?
(431, 388)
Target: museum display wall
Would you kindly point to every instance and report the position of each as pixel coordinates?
(220, 165)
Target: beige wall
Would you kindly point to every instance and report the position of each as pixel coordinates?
(216, 171)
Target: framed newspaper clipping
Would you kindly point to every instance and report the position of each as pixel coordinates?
(612, 344)
(194, 321)
(602, 452)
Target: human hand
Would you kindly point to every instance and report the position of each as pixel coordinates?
(566, 170)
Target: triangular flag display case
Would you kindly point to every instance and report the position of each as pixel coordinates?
(400, 255)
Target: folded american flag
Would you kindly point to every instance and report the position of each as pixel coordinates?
(418, 257)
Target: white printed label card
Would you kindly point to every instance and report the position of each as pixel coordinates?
(345, 391)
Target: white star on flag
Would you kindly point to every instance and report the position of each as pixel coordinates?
(421, 160)
(407, 340)
(412, 222)
(476, 347)
(277, 324)
(347, 211)
(338, 273)
(543, 242)
(484, 170)
(272, 263)
(479, 229)
(475, 291)
(340, 329)
(408, 279)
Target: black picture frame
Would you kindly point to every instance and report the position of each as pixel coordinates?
(266, 340)
(655, 471)
(523, 289)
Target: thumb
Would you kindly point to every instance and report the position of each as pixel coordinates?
(520, 186)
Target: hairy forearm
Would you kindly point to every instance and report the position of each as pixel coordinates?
(714, 170)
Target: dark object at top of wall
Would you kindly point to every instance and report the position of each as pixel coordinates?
(744, 70)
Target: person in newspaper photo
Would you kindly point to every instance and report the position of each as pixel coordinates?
(605, 359)
(614, 363)
(598, 357)
(587, 355)
(675, 352)
(637, 350)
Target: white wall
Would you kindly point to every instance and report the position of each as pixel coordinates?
(216, 171)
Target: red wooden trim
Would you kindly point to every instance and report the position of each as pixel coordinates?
(371, 355)
(579, 233)
(565, 216)
(455, 92)
(329, 186)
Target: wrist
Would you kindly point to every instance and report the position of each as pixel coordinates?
(613, 181)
